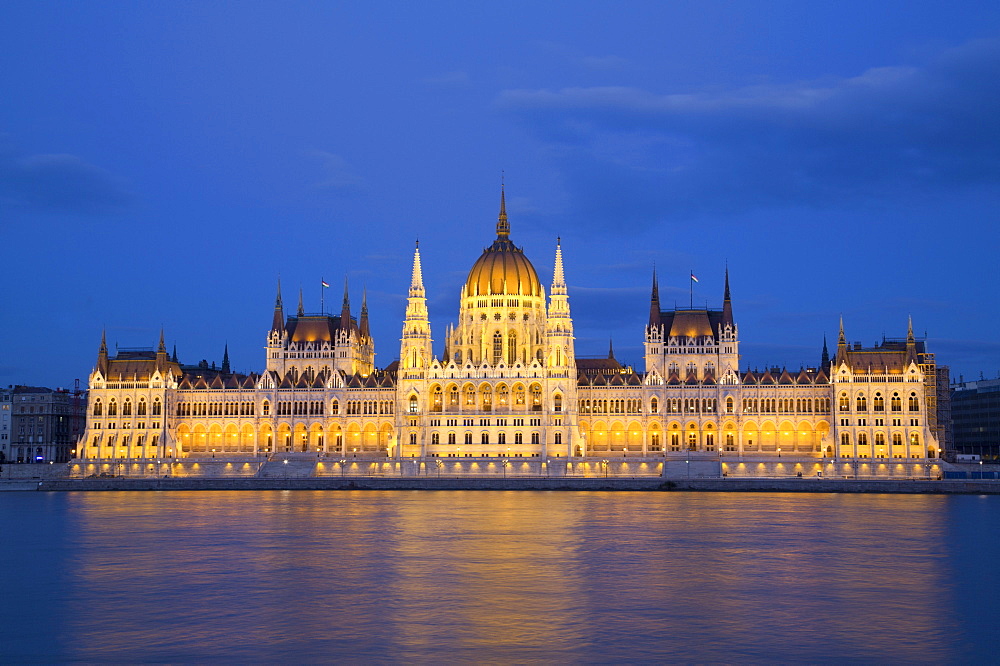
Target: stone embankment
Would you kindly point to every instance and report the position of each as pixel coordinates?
(914, 486)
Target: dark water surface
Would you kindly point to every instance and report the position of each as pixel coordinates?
(498, 577)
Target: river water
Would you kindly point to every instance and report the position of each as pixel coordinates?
(583, 577)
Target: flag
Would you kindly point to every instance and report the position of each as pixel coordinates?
(693, 278)
(324, 283)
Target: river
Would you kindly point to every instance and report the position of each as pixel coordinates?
(424, 576)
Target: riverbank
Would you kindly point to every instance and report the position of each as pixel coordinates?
(647, 484)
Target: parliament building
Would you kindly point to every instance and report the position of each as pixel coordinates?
(509, 385)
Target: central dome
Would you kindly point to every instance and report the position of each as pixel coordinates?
(503, 269)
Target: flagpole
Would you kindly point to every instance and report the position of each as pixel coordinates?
(691, 288)
(322, 296)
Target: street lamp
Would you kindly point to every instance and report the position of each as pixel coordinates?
(342, 464)
(439, 466)
(605, 463)
(505, 463)
(285, 467)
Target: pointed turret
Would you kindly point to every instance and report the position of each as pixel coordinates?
(727, 304)
(102, 354)
(654, 302)
(162, 348)
(415, 350)
(173, 357)
(417, 276)
(278, 322)
(824, 361)
(911, 341)
(225, 360)
(345, 309)
(503, 227)
(363, 324)
(611, 349)
(841, 344)
(301, 310)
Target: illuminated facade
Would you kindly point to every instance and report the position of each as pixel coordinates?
(509, 385)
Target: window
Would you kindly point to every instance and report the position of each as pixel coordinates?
(468, 438)
(435, 438)
(140, 409)
(914, 404)
(497, 347)
(557, 403)
(878, 403)
(897, 405)
(654, 406)
(157, 407)
(534, 438)
(265, 408)
(113, 408)
(98, 407)
(413, 404)
(844, 404)
(512, 346)
(862, 403)
(485, 439)
(518, 438)
(557, 438)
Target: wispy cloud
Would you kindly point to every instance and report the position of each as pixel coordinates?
(59, 183)
(889, 132)
(337, 173)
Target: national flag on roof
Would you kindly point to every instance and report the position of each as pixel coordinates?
(325, 283)
(693, 277)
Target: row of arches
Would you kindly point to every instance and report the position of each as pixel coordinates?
(878, 402)
(126, 407)
(486, 398)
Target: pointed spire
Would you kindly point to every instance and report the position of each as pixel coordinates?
(503, 227)
(365, 333)
(417, 277)
(841, 344)
(909, 329)
(654, 302)
(162, 349)
(173, 357)
(278, 321)
(727, 304)
(345, 309)
(102, 353)
(611, 349)
(225, 360)
(558, 275)
(824, 362)
(301, 310)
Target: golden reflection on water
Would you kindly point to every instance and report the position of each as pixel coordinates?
(508, 576)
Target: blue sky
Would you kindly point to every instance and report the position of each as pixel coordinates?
(162, 163)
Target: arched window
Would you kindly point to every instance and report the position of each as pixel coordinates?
(157, 407)
(844, 403)
(502, 438)
(557, 403)
(879, 439)
(862, 439)
(437, 398)
(729, 405)
(98, 407)
(451, 438)
(511, 348)
(127, 408)
(862, 403)
(468, 438)
(534, 438)
(497, 347)
(265, 408)
(897, 439)
(470, 395)
(896, 403)
(536, 398)
(485, 438)
(914, 403)
(140, 409)
(435, 438)
(413, 404)
(335, 407)
(654, 406)
(112, 408)
(453, 396)
(845, 439)
(914, 439)
(878, 403)
(557, 438)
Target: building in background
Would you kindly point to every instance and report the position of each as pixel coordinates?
(509, 385)
(45, 423)
(6, 421)
(975, 414)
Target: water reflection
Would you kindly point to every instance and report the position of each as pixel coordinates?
(506, 576)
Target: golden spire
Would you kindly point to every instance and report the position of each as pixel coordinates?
(503, 227)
